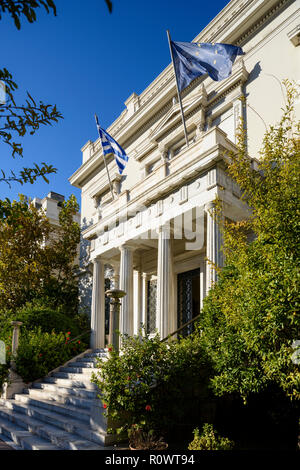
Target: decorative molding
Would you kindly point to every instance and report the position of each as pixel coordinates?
(294, 36)
(183, 194)
(271, 12)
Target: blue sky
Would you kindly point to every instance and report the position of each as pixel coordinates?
(86, 60)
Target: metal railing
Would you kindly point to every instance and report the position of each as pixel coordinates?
(79, 336)
(181, 328)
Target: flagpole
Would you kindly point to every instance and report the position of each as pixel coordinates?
(109, 181)
(178, 92)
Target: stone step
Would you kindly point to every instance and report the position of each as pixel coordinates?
(24, 439)
(59, 397)
(91, 360)
(83, 364)
(72, 375)
(67, 410)
(78, 392)
(62, 439)
(55, 413)
(76, 370)
(82, 382)
(95, 355)
(58, 420)
(5, 441)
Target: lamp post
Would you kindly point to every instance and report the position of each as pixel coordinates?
(15, 383)
(115, 296)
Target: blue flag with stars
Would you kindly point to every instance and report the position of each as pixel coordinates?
(110, 146)
(192, 59)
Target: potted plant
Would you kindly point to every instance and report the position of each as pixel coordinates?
(141, 439)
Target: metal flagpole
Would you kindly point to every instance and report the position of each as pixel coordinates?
(178, 92)
(110, 186)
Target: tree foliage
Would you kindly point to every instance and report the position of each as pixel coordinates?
(251, 317)
(18, 8)
(36, 258)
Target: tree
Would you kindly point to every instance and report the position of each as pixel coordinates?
(250, 319)
(37, 260)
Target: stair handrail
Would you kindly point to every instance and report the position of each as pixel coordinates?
(181, 328)
(79, 336)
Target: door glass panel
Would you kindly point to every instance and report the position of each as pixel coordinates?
(188, 302)
(151, 306)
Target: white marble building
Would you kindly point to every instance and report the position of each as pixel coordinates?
(138, 235)
(51, 206)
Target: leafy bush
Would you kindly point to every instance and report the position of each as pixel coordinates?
(209, 440)
(41, 352)
(48, 319)
(43, 337)
(144, 382)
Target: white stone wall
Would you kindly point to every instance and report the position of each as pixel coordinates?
(270, 58)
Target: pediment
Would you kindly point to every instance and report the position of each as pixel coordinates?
(174, 114)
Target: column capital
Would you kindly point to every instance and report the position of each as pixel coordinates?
(100, 260)
(165, 229)
(128, 247)
(97, 259)
(209, 206)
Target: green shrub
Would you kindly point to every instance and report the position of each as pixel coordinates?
(48, 319)
(41, 352)
(146, 380)
(44, 338)
(209, 440)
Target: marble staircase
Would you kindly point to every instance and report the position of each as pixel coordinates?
(59, 412)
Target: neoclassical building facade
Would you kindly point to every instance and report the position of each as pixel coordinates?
(156, 238)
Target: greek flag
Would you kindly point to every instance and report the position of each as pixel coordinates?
(192, 59)
(109, 145)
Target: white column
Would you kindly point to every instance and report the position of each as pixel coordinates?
(164, 280)
(202, 282)
(98, 306)
(145, 279)
(137, 301)
(126, 284)
(213, 247)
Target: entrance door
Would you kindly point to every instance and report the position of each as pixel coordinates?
(188, 306)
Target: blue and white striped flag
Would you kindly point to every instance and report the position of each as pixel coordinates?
(109, 145)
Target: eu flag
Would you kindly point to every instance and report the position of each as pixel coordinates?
(192, 59)
(110, 146)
